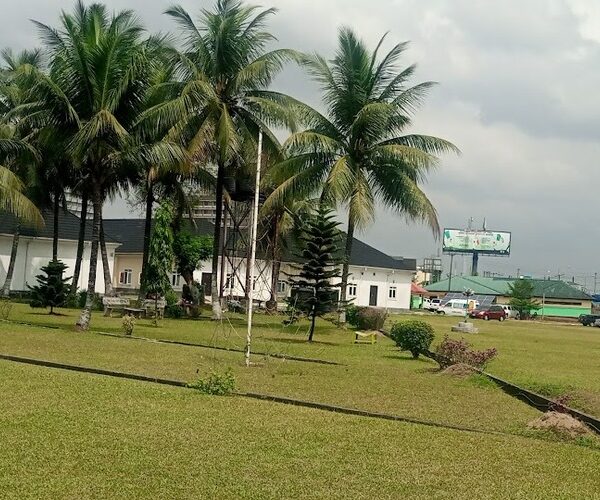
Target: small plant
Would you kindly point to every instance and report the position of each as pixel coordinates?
(128, 325)
(370, 318)
(451, 352)
(352, 315)
(5, 308)
(216, 384)
(414, 336)
(52, 289)
(174, 311)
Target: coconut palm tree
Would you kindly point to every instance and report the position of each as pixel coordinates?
(360, 153)
(223, 97)
(98, 69)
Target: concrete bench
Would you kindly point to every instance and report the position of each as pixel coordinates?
(111, 303)
(365, 338)
(150, 305)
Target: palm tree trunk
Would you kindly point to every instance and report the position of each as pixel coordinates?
(108, 288)
(216, 300)
(147, 235)
(346, 268)
(80, 243)
(84, 319)
(13, 259)
(275, 266)
(55, 229)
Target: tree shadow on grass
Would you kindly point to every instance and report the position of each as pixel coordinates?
(303, 341)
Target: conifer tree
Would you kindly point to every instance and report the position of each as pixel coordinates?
(52, 289)
(312, 289)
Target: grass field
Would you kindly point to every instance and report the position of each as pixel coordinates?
(73, 435)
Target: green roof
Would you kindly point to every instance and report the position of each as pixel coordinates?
(553, 289)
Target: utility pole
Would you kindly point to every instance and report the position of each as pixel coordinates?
(450, 275)
(253, 247)
(595, 282)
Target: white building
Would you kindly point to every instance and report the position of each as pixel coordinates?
(35, 251)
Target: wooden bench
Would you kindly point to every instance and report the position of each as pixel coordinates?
(111, 303)
(150, 305)
(365, 338)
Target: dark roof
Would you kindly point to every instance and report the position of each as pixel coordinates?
(68, 227)
(130, 232)
(552, 289)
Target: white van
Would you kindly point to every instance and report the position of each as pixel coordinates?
(509, 310)
(458, 307)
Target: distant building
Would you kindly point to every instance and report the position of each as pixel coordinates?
(559, 298)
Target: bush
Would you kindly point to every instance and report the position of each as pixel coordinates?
(174, 311)
(369, 318)
(78, 300)
(414, 336)
(451, 352)
(352, 315)
(5, 308)
(171, 298)
(128, 325)
(216, 384)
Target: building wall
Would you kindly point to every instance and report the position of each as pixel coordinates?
(568, 309)
(34, 253)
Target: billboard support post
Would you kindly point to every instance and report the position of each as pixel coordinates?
(474, 267)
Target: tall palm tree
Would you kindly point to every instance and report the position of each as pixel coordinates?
(99, 66)
(223, 100)
(360, 153)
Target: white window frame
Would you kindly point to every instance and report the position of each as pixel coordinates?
(127, 274)
(281, 286)
(175, 278)
(352, 289)
(393, 293)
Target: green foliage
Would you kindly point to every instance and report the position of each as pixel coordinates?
(6, 306)
(128, 325)
(414, 336)
(521, 297)
(312, 290)
(190, 250)
(366, 318)
(160, 262)
(78, 300)
(52, 289)
(216, 384)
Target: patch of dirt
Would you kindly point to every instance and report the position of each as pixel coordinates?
(459, 370)
(561, 423)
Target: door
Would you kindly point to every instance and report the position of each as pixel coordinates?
(207, 283)
(373, 296)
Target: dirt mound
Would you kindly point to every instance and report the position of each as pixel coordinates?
(459, 370)
(561, 423)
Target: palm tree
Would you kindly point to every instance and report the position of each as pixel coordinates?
(360, 154)
(99, 66)
(222, 95)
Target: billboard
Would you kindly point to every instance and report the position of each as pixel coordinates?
(482, 242)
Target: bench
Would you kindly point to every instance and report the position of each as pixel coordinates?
(111, 303)
(150, 305)
(131, 311)
(365, 338)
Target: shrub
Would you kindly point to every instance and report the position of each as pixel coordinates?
(370, 318)
(216, 384)
(352, 315)
(451, 352)
(128, 325)
(78, 301)
(414, 336)
(5, 308)
(171, 298)
(174, 311)
(52, 288)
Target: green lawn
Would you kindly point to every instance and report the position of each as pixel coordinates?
(551, 358)
(78, 435)
(70, 435)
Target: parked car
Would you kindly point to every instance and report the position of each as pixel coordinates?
(457, 307)
(432, 304)
(510, 311)
(589, 319)
(491, 312)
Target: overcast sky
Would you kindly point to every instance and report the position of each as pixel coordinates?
(518, 95)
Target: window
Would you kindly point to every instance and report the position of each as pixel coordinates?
(125, 277)
(352, 290)
(392, 292)
(175, 278)
(229, 282)
(281, 286)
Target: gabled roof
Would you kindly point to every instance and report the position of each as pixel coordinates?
(130, 232)
(552, 289)
(68, 227)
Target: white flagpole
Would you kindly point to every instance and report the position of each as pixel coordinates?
(253, 247)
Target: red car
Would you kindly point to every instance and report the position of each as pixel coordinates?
(490, 312)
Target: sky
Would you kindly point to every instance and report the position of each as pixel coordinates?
(518, 94)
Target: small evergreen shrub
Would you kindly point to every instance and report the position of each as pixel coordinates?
(128, 325)
(370, 318)
(174, 311)
(413, 336)
(216, 384)
(352, 315)
(52, 289)
(451, 352)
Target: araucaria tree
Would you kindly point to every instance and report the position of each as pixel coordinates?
(521, 297)
(312, 289)
(225, 72)
(360, 153)
(52, 289)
